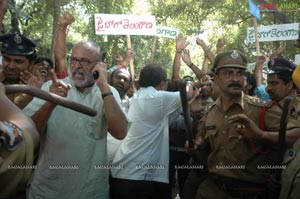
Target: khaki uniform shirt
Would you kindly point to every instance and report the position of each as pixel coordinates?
(291, 175)
(294, 108)
(16, 167)
(233, 155)
(19, 99)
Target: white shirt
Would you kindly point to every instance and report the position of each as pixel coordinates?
(74, 149)
(144, 153)
(114, 144)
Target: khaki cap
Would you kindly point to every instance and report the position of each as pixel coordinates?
(230, 59)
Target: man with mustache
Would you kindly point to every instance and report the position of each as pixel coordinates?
(279, 79)
(73, 156)
(18, 55)
(120, 79)
(290, 176)
(233, 159)
(281, 86)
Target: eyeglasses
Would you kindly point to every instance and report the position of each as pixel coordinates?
(82, 61)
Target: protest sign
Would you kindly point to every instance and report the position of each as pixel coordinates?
(275, 32)
(113, 24)
(167, 32)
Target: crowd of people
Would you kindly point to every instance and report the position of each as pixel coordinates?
(246, 140)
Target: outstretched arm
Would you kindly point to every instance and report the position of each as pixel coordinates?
(129, 55)
(61, 45)
(278, 51)
(220, 45)
(181, 44)
(186, 58)
(258, 70)
(41, 117)
(206, 49)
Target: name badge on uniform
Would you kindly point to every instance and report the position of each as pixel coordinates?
(211, 127)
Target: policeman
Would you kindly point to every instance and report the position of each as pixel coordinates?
(279, 79)
(236, 164)
(290, 177)
(18, 139)
(18, 55)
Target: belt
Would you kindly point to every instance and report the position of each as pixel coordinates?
(179, 149)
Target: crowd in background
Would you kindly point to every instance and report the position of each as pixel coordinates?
(136, 146)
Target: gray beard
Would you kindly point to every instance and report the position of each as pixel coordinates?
(89, 82)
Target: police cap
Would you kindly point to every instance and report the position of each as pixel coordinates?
(230, 59)
(16, 44)
(280, 65)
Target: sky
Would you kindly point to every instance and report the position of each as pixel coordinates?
(141, 7)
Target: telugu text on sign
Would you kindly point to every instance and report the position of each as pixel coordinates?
(110, 24)
(275, 33)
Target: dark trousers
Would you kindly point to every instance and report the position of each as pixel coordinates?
(139, 189)
(191, 184)
(177, 159)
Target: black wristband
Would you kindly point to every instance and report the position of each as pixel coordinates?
(106, 94)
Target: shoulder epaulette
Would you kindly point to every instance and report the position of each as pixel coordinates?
(256, 101)
(207, 108)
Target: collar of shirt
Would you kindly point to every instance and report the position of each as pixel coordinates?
(239, 101)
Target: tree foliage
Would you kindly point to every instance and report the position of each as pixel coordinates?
(228, 19)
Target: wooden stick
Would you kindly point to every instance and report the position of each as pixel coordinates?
(131, 60)
(256, 36)
(153, 49)
(186, 113)
(51, 97)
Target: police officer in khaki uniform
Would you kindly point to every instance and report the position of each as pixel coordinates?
(18, 55)
(290, 178)
(236, 163)
(281, 85)
(18, 139)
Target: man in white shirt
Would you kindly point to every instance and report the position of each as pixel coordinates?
(120, 79)
(140, 167)
(73, 159)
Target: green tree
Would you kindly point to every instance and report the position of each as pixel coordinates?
(225, 18)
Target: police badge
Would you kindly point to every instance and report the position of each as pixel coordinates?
(234, 54)
(17, 38)
(272, 62)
